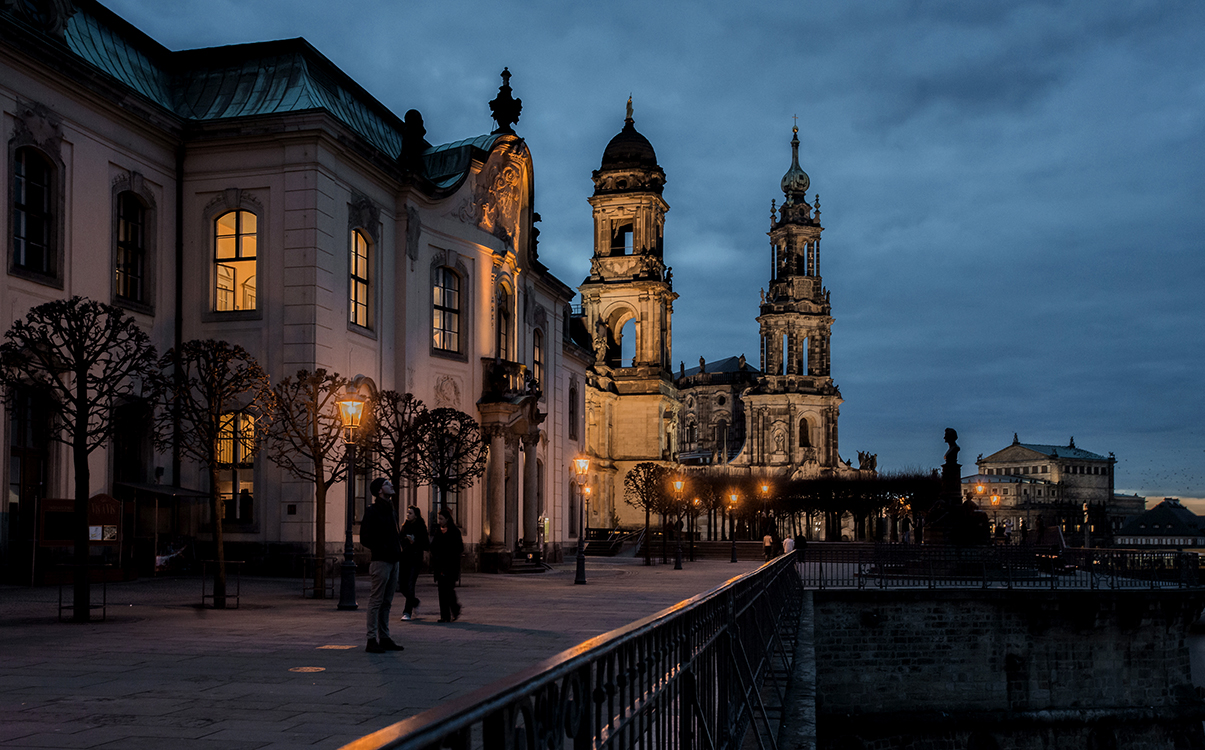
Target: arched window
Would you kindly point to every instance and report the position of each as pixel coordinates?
(360, 283)
(721, 438)
(131, 248)
(503, 339)
(236, 238)
(537, 356)
(33, 212)
(446, 312)
(621, 240)
(805, 438)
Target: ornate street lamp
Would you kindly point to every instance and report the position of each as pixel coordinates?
(694, 517)
(765, 518)
(351, 410)
(732, 523)
(581, 466)
(678, 551)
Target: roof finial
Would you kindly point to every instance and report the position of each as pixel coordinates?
(629, 117)
(795, 128)
(505, 108)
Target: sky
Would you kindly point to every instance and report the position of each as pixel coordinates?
(1013, 193)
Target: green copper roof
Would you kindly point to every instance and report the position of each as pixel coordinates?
(249, 80)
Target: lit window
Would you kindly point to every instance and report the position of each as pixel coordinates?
(33, 186)
(236, 473)
(358, 299)
(537, 357)
(446, 311)
(235, 241)
(131, 248)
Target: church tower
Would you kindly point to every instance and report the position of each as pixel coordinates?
(791, 416)
(632, 403)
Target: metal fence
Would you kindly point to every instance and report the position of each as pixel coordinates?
(701, 674)
(932, 566)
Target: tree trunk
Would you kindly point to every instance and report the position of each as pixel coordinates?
(648, 560)
(81, 599)
(319, 536)
(217, 511)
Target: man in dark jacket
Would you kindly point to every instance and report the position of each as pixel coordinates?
(378, 532)
(414, 544)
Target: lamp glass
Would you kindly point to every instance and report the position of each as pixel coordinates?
(581, 465)
(351, 409)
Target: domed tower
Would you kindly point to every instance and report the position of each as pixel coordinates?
(629, 281)
(631, 403)
(791, 416)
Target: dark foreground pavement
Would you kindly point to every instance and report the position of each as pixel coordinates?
(285, 672)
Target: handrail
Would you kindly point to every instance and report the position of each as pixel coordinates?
(896, 566)
(699, 674)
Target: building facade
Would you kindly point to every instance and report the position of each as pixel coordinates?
(256, 194)
(1051, 486)
(779, 421)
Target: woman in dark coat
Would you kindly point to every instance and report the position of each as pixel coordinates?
(446, 550)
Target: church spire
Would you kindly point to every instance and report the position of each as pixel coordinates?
(795, 182)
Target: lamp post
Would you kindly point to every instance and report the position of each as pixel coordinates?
(732, 524)
(581, 465)
(351, 409)
(694, 525)
(765, 518)
(678, 504)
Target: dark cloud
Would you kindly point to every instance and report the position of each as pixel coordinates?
(1012, 192)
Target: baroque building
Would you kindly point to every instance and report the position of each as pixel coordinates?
(257, 194)
(779, 421)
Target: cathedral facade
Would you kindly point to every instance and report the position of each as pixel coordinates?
(779, 421)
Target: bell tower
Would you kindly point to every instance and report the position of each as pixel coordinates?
(632, 403)
(791, 415)
(629, 281)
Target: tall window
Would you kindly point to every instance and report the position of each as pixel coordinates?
(446, 318)
(358, 300)
(236, 477)
(805, 439)
(573, 412)
(131, 248)
(537, 357)
(235, 244)
(33, 180)
(503, 339)
(721, 438)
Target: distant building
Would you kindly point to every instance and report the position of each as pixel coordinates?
(1168, 524)
(1052, 485)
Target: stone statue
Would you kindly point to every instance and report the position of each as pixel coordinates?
(702, 366)
(741, 361)
(951, 439)
(763, 295)
(600, 341)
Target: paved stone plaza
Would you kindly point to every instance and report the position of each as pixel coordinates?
(162, 672)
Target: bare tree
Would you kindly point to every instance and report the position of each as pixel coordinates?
(450, 453)
(222, 400)
(85, 358)
(305, 439)
(644, 487)
(394, 434)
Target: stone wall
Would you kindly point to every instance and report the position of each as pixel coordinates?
(1005, 669)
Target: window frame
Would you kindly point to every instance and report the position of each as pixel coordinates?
(216, 262)
(52, 213)
(134, 186)
(503, 324)
(439, 274)
(360, 285)
(537, 358)
(241, 467)
(573, 410)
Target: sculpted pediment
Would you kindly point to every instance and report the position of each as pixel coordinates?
(1014, 453)
(500, 196)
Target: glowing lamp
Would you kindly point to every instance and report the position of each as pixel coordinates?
(678, 485)
(581, 465)
(351, 409)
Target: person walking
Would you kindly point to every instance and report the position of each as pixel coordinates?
(378, 532)
(414, 544)
(767, 543)
(446, 549)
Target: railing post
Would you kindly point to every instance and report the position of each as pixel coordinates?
(686, 698)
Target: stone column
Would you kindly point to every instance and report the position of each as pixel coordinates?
(496, 485)
(531, 500)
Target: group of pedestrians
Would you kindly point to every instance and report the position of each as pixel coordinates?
(397, 557)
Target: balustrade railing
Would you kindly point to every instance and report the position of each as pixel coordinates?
(933, 566)
(701, 674)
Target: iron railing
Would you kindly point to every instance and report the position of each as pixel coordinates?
(932, 566)
(698, 675)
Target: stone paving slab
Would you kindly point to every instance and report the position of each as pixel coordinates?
(163, 669)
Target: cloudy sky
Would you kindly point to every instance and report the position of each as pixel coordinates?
(1013, 193)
